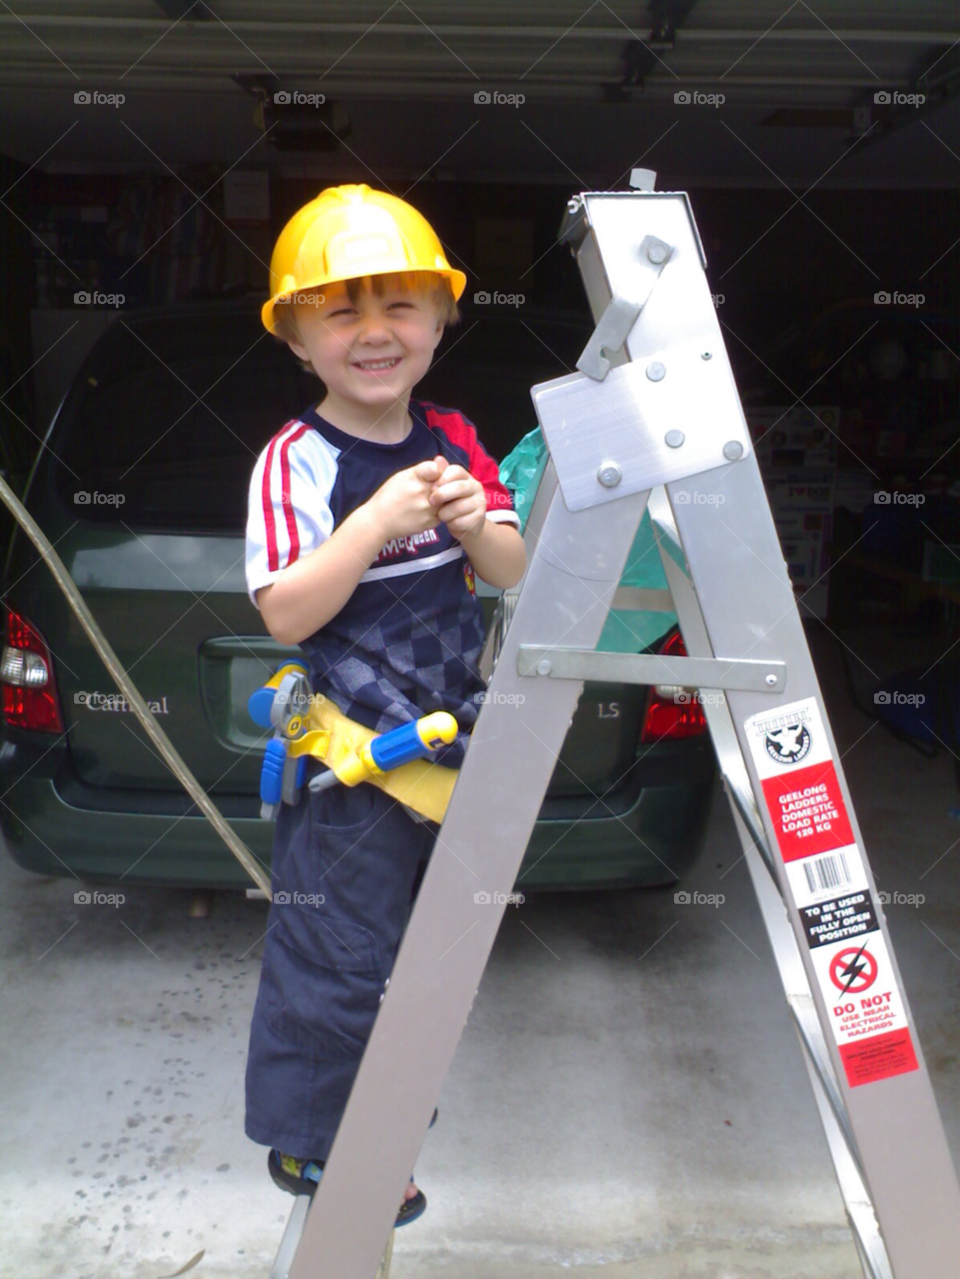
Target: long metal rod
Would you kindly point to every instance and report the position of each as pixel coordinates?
(650, 668)
(168, 752)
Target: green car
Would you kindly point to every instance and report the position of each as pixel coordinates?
(141, 486)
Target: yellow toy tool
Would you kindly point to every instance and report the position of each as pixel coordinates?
(399, 761)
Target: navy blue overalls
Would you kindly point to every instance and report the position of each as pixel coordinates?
(325, 962)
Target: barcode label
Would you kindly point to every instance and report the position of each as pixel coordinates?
(827, 872)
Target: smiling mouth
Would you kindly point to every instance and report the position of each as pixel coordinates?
(378, 366)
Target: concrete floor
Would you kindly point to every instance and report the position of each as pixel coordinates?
(628, 1098)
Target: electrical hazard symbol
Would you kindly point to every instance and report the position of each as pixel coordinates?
(853, 970)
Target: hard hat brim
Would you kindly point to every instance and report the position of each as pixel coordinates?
(458, 282)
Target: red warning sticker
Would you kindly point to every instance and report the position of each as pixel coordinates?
(879, 1058)
(807, 811)
(792, 755)
(865, 1008)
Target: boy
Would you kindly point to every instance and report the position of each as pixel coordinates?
(368, 517)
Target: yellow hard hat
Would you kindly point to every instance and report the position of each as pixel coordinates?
(349, 232)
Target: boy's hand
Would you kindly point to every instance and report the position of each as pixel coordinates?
(402, 504)
(458, 499)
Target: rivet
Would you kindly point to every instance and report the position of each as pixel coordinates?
(657, 253)
(656, 371)
(770, 680)
(673, 439)
(609, 475)
(732, 450)
(707, 355)
(544, 667)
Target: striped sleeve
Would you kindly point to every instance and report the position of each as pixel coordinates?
(461, 432)
(288, 510)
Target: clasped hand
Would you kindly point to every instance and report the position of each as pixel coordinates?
(422, 496)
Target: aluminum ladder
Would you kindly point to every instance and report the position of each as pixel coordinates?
(652, 417)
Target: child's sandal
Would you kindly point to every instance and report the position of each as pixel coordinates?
(302, 1176)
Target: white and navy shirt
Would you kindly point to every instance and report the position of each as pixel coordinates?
(408, 640)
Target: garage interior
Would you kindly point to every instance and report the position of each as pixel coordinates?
(629, 1097)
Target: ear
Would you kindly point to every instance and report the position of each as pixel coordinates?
(298, 349)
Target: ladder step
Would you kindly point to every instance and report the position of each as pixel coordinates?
(652, 668)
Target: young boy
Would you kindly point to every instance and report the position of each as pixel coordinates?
(368, 517)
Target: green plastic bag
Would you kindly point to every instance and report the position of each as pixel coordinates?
(626, 630)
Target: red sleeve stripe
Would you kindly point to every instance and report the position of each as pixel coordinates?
(273, 552)
(455, 426)
(461, 432)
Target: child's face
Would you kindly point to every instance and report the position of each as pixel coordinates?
(374, 351)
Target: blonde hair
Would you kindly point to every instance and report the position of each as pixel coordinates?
(436, 287)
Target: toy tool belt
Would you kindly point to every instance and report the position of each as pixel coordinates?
(309, 725)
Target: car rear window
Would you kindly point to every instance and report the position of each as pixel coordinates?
(165, 421)
(168, 415)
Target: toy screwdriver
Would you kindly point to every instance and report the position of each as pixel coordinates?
(419, 739)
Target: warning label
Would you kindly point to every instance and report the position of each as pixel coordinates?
(864, 1005)
(827, 877)
(808, 811)
(792, 756)
(879, 1058)
(839, 920)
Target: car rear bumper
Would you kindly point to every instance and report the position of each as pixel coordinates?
(55, 825)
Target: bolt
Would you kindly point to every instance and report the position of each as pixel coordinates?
(732, 450)
(609, 475)
(656, 371)
(657, 253)
(707, 355)
(544, 667)
(673, 439)
(770, 680)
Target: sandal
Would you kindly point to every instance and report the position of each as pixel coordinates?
(302, 1176)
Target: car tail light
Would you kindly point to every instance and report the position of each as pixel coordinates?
(672, 710)
(26, 674)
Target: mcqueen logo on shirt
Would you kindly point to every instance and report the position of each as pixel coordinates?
(411, 544)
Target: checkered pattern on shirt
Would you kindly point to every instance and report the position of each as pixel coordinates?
(411, 661)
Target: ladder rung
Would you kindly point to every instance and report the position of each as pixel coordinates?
(652, 668)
